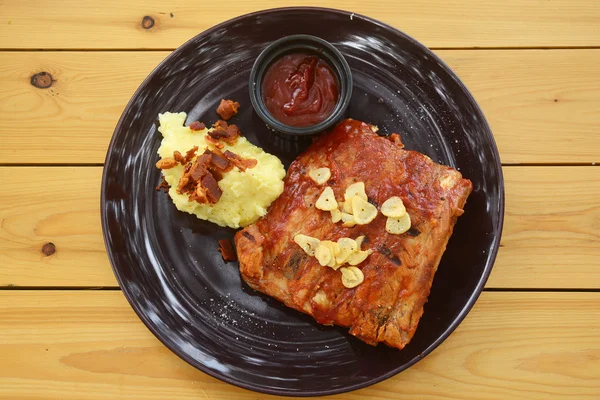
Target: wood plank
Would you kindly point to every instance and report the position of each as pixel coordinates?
(550, 237)
(90, 345)
(72, 121)
(52, 205)
(535, 97)
(437, 23)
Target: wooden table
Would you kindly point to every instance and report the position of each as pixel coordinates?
(66, 331)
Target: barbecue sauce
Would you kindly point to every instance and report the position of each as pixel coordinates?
(300, 90)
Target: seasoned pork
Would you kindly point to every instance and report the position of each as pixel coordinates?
(387, 305)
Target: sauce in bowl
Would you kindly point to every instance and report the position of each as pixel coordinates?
(300, 90)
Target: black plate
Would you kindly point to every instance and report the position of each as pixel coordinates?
(167, 261)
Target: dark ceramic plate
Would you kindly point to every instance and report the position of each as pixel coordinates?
(167, 261)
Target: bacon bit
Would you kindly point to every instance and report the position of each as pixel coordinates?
(207, 190)
(197, 126)
(164, 186)
(218, 133)
(189, 155)
(227, 109)
(218, 161)
(229, 134)
(200, 167)
(166, 163)
(234, 132)
(214, 142)
(227, 251)
(213, 192)
(189, 179)
(184, 180)
(241, 163)
(185, 185)
(395, 138)
(201, 176)
(231, 156)
(250, 162)
(179, 157)
(199, 179)
(220, 124)
(199, 195)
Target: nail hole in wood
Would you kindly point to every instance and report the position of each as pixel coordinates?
(48, 249)
(147, 22)
(42, 80)
(556, 100)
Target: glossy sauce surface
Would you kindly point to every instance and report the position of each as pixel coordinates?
(300, 90)
(353, 152)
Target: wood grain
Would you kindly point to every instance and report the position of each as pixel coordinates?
(52, 205)
(543, 106)
(551, 232)
(528, 96)
(551, 237)
(453, 23)
(90, 345)
(73, 120)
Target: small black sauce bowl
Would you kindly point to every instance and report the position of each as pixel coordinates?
(301, 44)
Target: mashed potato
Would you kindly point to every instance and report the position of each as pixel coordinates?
(246, 195)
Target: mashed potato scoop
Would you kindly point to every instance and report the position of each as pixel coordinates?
(246, 192)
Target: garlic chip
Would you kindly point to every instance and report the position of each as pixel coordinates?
(307, 243)
(334, 254)
(326, 201)
(358, 257)
(343, 257)
(320, 175)
(347, 248)
(393, 207)
(347, 243)
(363, 211)
(347, 205)
(356, 189)
(397, 226)
(351, 277)
(335, 250)
(348, 220)
(336, 215)
(323, 254)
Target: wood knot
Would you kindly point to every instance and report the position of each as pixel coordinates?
(147, 22)
(48, 249)
(42, 80)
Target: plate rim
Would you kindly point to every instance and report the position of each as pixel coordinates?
(472, 299)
